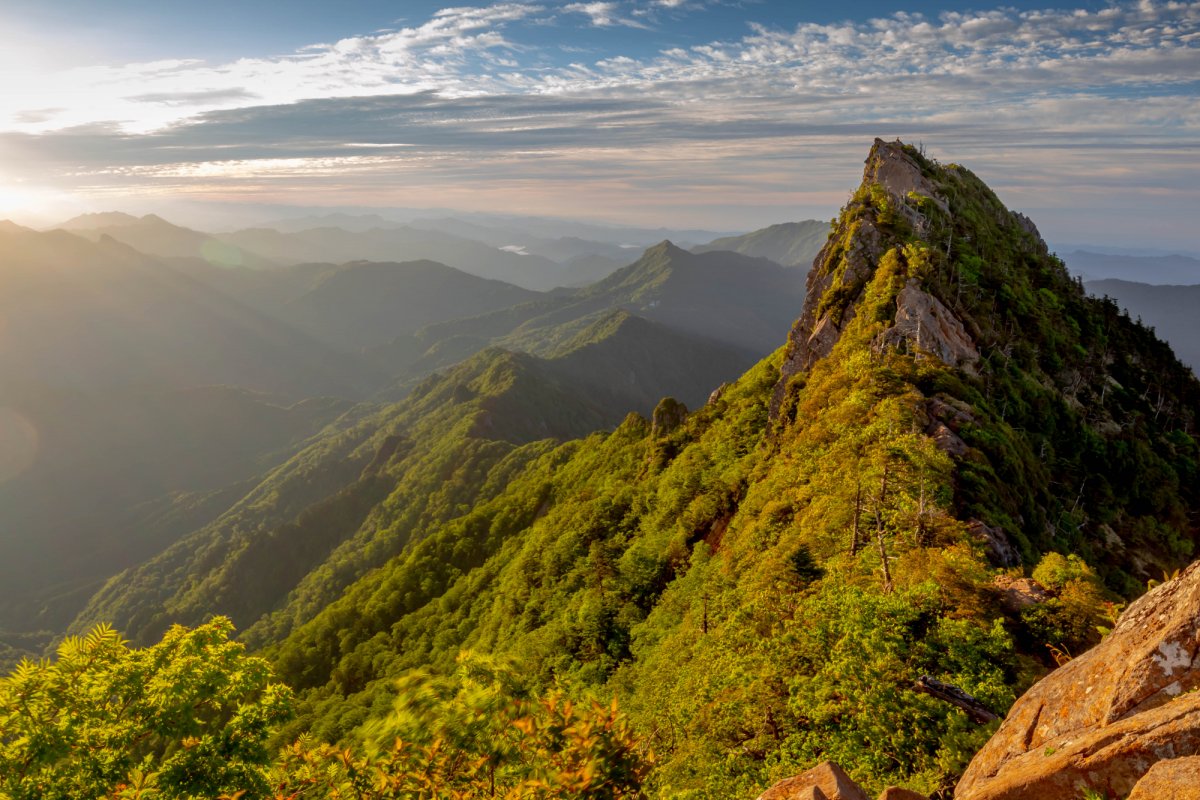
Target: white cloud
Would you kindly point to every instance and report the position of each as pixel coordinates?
(602, 14)
(1047, 95)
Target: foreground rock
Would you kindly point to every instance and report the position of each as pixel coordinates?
(1178, 779)
(827, 781)
(1104, 719)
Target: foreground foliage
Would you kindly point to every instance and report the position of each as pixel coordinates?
(193, 716)
(189, 717)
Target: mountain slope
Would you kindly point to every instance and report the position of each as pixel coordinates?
(119, 475)
(1169, 310)
(429, 452)
(744, 303)
(734, 308)
(763, 582)
(792, 244)
(117, 392)
(369, 486)
(82, 314)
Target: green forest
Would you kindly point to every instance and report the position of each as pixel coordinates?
(471, 593)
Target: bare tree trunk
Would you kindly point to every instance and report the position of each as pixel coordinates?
(977, 711)
(879, 531)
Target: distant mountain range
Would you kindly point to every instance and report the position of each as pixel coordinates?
(1157, 269)
(161, 388)
(154, 236)
(719, 297)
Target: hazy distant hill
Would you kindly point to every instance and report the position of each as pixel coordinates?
(792, 244)
(82, 314)
(557, 248)
(364, 304)
(104, 355)
(154, 236)
(1168, 269)
(552, 228)
(732, 298)
(119, 474)
(1173, 311)
(402, 243)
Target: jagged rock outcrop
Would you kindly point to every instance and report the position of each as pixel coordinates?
(668, 415)
(1104, 719)
(925, 325)
(1000, 551)
(847, 261)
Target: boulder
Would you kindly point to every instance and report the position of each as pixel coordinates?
(1176, 778)
(1018, 594)
(826, 780)
(1104, 719)
(896, 793)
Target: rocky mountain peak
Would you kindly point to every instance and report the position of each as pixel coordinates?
(892, 166)
(936, 222)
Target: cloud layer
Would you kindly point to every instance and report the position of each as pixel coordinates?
(1063, 109)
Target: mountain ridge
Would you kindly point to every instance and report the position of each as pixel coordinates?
(764, 580)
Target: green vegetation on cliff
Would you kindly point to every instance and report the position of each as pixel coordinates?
(761, 582)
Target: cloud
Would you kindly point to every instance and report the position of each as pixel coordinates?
(466, 107)
(195, 99)
(602, 14)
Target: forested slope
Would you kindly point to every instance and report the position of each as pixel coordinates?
(763, 581)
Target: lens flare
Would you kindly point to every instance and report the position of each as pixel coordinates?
(18, 444)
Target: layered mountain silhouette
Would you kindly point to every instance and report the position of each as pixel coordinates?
(154, 236)
(154, 386)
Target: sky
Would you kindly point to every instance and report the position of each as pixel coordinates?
(724, 114)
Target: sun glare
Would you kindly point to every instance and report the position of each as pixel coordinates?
(21, 201)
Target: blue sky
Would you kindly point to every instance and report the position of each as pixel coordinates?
(677, 112)
(222, 29)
